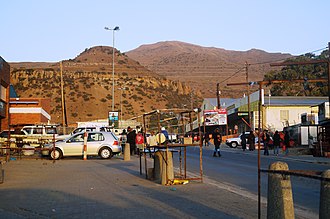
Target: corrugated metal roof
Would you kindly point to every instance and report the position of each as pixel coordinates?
(294, 101)
(276, 100)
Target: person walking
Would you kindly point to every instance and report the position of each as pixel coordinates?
(276, 142)
(131, 140)
(243, 141)
(139, 142)
(251, 140)
(286, 142)
(265, 140)
(123, 139)
(206, 139)
(217, 142)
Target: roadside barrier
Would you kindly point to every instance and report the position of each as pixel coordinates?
(280, 202)
(127, 152)
(85, 146)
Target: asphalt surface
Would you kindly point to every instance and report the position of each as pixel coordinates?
(96, 188)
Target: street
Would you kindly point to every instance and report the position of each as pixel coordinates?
(238, 170)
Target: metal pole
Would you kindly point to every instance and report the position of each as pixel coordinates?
(218, 96)
(259, 131)
(121, 108)
(62, 99)
(113, 69)
(248, 90)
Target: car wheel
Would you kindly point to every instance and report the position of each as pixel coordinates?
(233, 144)
(105, 153)
(56, 154)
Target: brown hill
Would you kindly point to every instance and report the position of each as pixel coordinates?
(88, 86)
(203, 67)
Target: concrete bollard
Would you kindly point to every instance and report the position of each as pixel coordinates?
(325, 196)
(279, 198)
(85, 146)
(163, 172)
(127, 152)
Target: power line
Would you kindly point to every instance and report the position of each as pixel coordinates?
(283, 59)
(238, 71)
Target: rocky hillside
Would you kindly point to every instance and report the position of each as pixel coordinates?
(88, 86)
(203, 67)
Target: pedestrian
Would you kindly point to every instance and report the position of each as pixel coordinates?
(251, 139)
(286, 143)
(217, 142)
(206, 139)
(139, 142)
(265, 138)
(123, 139)
(276, 142)
(131, 139)
(243, 141)
(163, 130)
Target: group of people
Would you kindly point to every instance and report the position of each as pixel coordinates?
(138, 140)
(265, 138)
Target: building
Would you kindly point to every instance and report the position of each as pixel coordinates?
(276, 112)
(29, 111)
(4, 93)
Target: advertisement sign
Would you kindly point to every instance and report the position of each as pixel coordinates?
(113, 119)
(113, 116)
(215, 117)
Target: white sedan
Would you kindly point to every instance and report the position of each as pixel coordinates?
(103, 144)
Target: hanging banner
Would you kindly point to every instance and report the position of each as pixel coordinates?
(215, 117)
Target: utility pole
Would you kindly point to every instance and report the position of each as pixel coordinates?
(218, 96)
(248, 91)
(64, 120)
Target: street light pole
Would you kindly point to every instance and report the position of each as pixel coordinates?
(113, 64)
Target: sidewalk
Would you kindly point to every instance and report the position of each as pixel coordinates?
(74, 188)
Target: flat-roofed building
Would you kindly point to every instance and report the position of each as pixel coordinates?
(29, 111)
(4, 93)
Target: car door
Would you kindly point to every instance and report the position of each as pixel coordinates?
(94, 142)
(74, 145)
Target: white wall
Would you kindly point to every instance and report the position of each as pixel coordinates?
(272, 119)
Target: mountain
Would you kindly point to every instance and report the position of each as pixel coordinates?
(203, 67)
(88, 86)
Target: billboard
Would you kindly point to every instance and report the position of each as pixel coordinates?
(215, 117)
(113, 116)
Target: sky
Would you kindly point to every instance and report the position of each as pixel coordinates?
(54, 30)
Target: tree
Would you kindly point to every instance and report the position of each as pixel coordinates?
(306, 72)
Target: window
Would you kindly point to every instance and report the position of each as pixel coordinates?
(284, 115)
(28, 130)
(95, 137)
(3, 93)
(37, 131)
(77, 138)
(50, 130)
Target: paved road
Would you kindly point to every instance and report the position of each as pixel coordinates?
(73, 188)
(239, 169)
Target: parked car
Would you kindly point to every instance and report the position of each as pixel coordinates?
(103, 144)
(234, 142)
(91, 129)
(40, 130)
